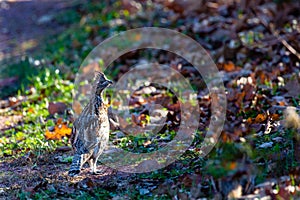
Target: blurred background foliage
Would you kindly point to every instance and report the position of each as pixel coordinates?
(37, 86)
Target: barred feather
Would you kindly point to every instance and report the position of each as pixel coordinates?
(90, 130)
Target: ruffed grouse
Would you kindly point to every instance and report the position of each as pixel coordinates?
(90, 131)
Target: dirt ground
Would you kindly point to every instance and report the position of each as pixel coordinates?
(23, 23)
(49, 172)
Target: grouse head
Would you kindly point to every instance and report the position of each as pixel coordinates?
(101, 82)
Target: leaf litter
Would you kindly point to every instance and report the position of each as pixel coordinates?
(254, 46)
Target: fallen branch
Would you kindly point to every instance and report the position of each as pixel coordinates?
(276, 34)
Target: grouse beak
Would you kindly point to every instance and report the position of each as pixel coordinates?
(109, 81)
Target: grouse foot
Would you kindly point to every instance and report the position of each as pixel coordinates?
(73, 173)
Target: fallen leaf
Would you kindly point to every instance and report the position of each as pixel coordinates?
(266, 145)
(60, 130)
(51, 136)
(229, 67)
(283, 194)
(232, 165)
(249, 120)
(262, 76)
(260, 118)
(130, 6)
(90, 183)
(250, 91)
(63, 149)
(275, 117)
(13, 101)
(31, 110)
(58, 107)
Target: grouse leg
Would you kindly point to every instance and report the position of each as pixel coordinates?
(76, 165)
(94, 158)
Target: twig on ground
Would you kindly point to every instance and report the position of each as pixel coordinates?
(276, 34)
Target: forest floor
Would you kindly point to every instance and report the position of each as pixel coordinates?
(26, 23)
(256, 50)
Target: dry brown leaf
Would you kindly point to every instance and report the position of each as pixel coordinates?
(63, 149)
(275, 117)
(250, 91)
(31, 110)
(232, 165)
(58, 107)
(131, 6)
(249, 120)
(240, 98)
(174, 107)
(260, 118)
(60, 130)
(229, 67)
(263, 77)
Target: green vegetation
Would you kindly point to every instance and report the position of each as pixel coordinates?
(246, 147)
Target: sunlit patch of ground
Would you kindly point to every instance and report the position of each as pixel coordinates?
(7, 122)
(23, 23)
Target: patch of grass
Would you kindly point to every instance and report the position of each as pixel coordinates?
(29, 136)
(278, 159)
(21, 70)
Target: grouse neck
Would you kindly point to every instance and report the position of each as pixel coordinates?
(99, 93)
(97, 103)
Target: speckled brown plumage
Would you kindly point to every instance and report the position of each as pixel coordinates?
(90, 131)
